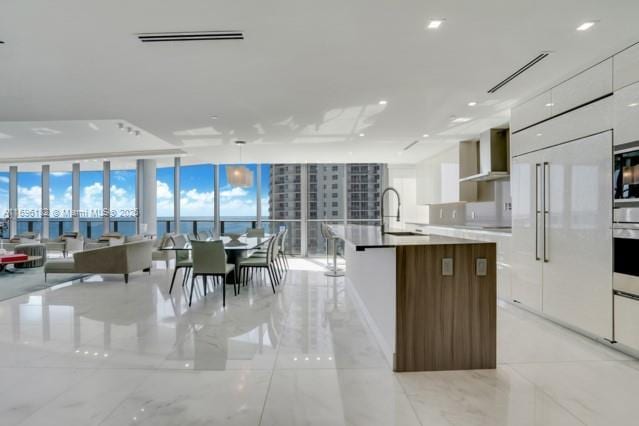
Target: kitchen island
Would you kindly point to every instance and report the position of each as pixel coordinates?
(430, 299)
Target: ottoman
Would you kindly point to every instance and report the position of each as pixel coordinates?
(59, 266)
(32, 249)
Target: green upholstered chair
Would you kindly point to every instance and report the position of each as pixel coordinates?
(209, 260)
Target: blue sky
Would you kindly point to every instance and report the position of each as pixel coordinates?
(196, 191)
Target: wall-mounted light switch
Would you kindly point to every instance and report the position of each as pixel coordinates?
(447, 267)
(482, 267)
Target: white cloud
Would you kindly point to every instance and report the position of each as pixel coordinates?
(29, 198)
(164, 200)
(196, 203)
(4, 179)
(233, 192)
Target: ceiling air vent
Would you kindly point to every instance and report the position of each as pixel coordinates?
(410, 145)
(520, 71)
(191, 36)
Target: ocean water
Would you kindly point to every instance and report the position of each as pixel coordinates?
(232, 224)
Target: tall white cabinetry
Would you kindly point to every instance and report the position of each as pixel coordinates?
(562, 242)
(561, 179)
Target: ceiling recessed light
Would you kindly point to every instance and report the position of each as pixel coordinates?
(539, 134)
(634, 104)
(586, 26)
(425, 135)
(549, 104)
(214, 117)
(383, 102)
(361, 135)
(472, 104)
(461, 119)
(433, 24)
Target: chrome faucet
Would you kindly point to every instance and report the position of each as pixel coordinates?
(390, 188)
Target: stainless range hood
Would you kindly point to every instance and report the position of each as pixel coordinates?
(492, 158)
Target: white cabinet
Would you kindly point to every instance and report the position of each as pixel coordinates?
(525, 256)
(533, 111)
(588, 120)
(577, 252)
(561, 248)
(586, 86)
(438, 178)
(627, 321)
(626, 114)
(626, 67)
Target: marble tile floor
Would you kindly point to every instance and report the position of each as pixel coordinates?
(105, 353)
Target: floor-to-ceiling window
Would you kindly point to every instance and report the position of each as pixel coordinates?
(238, 204)
(165, 192)
(123, 207)
(196, 198)
(364, 184)
(285, 202)
(29, 202)
(60, 208)
(91, 218)
(326, 202)
(4, 204)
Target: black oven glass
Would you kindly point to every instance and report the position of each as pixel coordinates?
(626, 175)
(627, 256)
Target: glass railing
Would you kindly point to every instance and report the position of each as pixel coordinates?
(93, 229)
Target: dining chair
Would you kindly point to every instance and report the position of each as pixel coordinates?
(278, 257)
(209, 260)
(282, 251)
(265, 263)
(182, 259)
(203, 235)
(255, 232)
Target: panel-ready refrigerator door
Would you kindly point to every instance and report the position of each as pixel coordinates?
(526, 249)
(577, 271)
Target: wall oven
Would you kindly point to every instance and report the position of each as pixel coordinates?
(626, 174)
(626, 251)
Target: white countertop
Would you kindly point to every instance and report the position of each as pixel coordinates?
(366, 236)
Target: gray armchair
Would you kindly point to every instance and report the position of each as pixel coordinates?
(209, 259)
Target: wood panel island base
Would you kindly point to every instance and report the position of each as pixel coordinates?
(430, 300)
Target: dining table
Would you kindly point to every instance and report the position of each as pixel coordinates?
(236, 249)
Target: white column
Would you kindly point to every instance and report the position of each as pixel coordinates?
(46, 205)
(106, 195)
(216, 200)
(75, 196)
(13, 200)
(304, 209)
(258, 194)
(177, 164)
(146, 196)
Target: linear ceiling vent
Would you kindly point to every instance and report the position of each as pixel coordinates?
(410, 145)
(191, 36)
(519, 72)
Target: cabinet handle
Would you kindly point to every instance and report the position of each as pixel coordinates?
(546, 206)
(537, 210)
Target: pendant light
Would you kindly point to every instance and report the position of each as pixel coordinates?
(239, 176)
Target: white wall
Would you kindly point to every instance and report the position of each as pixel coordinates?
(403, 177)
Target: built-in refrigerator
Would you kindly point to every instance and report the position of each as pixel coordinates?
(561, 243)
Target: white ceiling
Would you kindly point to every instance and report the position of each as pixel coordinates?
(302, 86)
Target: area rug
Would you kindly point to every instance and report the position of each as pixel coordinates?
(14, 285)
